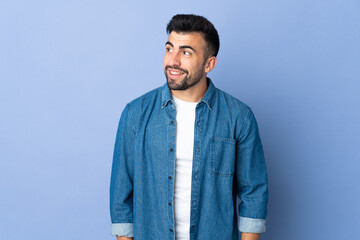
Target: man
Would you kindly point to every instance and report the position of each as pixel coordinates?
(185, 151)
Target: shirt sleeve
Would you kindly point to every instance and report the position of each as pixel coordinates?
(121, 183)
(251, 225)
(122, 229)
(251, 178)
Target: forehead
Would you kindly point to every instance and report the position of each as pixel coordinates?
(193, 39)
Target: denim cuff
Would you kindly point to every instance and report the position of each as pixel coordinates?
(122, 229)
(251, 225)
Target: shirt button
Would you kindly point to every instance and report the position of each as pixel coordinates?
(198, 123)
(171, 149)
(171, 230)
(170, 102)
(170, 177)
(169, 203)
(171, 121)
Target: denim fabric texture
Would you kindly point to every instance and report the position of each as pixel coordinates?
(228, 162)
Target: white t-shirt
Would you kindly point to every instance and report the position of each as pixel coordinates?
(185, 120)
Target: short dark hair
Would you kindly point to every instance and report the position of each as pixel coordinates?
(194, 23)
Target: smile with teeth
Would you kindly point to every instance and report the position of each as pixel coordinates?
(175, 72)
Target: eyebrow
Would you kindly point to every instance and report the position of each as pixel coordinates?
(181, 47)
(169, 43)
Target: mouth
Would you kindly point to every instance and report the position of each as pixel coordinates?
(173, 73)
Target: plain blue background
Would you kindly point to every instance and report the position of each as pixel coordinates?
(67, 69)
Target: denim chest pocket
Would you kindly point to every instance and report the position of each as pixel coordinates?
(222, 156)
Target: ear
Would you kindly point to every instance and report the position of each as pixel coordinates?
(210, 63)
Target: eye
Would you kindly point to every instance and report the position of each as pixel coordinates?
(168, 49)
(186, 53)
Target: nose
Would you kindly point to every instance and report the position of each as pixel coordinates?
(174, 59)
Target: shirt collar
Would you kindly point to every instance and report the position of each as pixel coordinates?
(208, 98)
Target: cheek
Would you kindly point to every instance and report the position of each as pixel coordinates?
(194, 66)
(166, 58)
(189, 64)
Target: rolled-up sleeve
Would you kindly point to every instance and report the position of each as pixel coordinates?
(251, 177)
(121, 183)
(122, 229)
(251, 225)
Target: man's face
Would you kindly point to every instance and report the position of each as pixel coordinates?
(184, 61)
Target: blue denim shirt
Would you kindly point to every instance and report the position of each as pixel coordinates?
(228, 162)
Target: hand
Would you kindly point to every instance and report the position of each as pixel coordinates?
(124, 238)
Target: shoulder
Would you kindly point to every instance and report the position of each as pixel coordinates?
(146, 96)
(145, 101)
(239, 113)
(233, 104)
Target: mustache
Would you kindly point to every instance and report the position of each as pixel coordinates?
(177, 68)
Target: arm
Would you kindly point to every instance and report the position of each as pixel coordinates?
(251, 179)
(121, 184)
(124, 238)
(250, 236)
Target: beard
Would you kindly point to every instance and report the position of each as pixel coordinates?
(188, 80)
